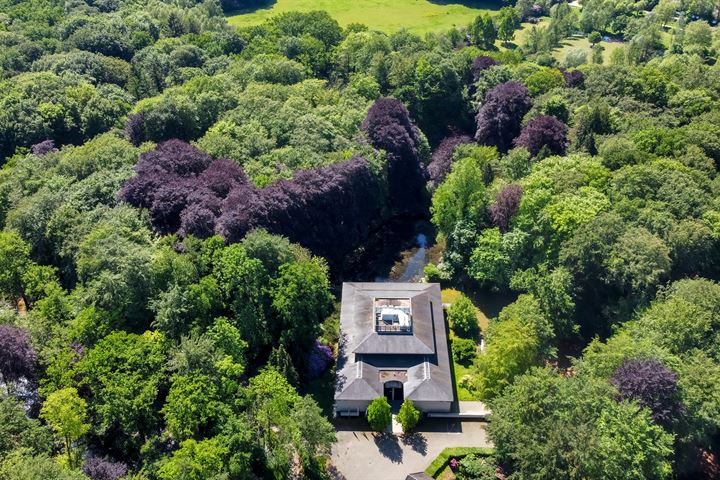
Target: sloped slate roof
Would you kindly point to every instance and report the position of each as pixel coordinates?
(423, 354)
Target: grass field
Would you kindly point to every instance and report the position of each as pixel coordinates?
(418, 16)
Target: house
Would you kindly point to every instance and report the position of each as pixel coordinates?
(393, 342)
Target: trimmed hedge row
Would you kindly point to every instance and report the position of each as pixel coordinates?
(443, 460)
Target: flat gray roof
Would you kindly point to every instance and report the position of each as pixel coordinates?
(364, 352)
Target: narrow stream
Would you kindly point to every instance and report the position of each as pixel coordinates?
(398, 253)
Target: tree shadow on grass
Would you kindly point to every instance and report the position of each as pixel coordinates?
(417, 442)
(389, 447)
(479, 4)
(249, 7)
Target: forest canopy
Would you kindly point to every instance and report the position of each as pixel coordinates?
(179, 199)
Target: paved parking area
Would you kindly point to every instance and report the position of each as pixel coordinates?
(360, 454)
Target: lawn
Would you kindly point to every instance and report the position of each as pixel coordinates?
(418, 16)
(572, 43)
(463, 393)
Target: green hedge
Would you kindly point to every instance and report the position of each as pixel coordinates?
(443, 460)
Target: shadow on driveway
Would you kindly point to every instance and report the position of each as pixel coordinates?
(417, 441)
(389, 447)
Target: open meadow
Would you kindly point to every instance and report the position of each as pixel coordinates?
(418, 16)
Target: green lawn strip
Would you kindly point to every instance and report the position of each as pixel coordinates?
(463, 393)
(443, 460)
(418, 16)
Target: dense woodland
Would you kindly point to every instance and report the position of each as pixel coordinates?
(177, 199)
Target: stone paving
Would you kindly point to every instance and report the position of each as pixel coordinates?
(360, 454)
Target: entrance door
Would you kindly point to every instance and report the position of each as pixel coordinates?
(394, 391)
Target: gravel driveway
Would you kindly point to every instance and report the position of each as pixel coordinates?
(360, 454)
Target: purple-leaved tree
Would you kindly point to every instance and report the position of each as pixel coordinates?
(388, 127)
(17, 356)
(441, 162)
(499, 117)
(506, 205)
(483, 62)
(652, 385)
(544, 131)
(135, 128)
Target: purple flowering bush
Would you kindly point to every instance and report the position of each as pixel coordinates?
(320, 358)
(98, 468)
(43, 148)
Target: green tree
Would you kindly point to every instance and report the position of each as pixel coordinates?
(378, 414)
(544, 80)
(192, 406)
(553, 290)
(511, 349)
(462, 317)
(408, 416)
(594, 38)
(638, 262)
(483, 32)
(195, 460)
(507, 22)
(314, 435)
(281, 361)
(462, 196)
(123, 373)
(597, 54)
(543, 423)
(14, 259)
(66, 413)
(490, 262)
(18, 431)
(301, 300)
(18, 465)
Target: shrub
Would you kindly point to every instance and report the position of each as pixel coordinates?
(378, 414)
(573, 78)
(319, 360)
(103, 469)
(435, 274)
(462, 317)
(575, 57)
(474, 467)
(442, 460)
(408, 416)
(464, 350)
